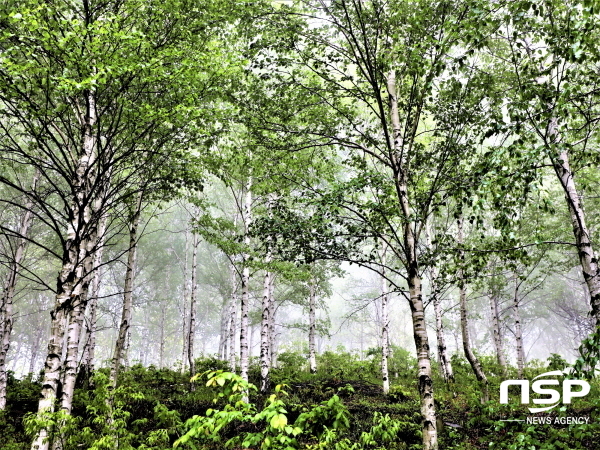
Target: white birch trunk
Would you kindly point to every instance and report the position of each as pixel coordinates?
(89, 349)
(247, 217)
(232, 318)
(272, 342)
(518, 331)
(8, 292)
(497, 332)
(161, 352)
(385, 323)
(312, 326)
(264, 333)
(185, 299)
(194, 294)
(585, 251)
(35, 349)
(223, 330)
(120, 345)
(425, 382)
(70, 370)
(73, 279)
(443, 358)
(464, 326)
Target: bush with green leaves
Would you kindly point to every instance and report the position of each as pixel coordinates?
(240, 424)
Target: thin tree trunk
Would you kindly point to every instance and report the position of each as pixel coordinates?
(264, 333)
(119, 351)
(35, 349)
(385, 350)
(223, 330)
(161, 355)
(232, 318)
(194, 293)
(518, 331)
(443, 358)
(497, 333)
(89, 349)
(184, 347)
(464, 325)
(425, 382)
(272, 348)
(8, 293)
(245, 283)
(312, 326)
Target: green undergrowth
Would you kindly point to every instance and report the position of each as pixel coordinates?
(341, 407)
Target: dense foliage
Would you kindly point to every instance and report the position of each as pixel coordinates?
(341, 407)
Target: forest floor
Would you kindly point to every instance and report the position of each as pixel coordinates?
(342, 407)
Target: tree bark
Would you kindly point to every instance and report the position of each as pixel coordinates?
(224, 329)
(35, 349)
(497, 332)
(119, 351)
(464, 326)
(312, 326)
(518, 331)
(247, 217)
(194, 294)
(443, 358)
(272, 336)
(264, 333)
(184, 345)
(75, 322)
(439, 328)
(161, 352)
(89, 350)
(385, 323)
(425, 382)
(232, 318)
(77, 264)
(8, 293)
(585, 251)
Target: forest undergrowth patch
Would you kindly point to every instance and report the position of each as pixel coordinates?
(156, 409)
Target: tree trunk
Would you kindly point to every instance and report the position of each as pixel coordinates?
(119, 351)
(35, 349)
(464, 326)
(8, 293)
(223, 330)
(194, 294)
(587, 256)
(232, 318)
(518, 331)
(245, 283)
(77, 264)
(443, 358)
(425, 382)
(184, 347)
(161, 353)
(497, 332)
(70, 370)
(264, 333)
(89, 350)
(385, 349)
(272, 347)
(312, 326)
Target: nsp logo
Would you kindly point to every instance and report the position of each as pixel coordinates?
(538, 388)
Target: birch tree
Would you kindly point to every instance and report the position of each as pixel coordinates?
(78, 100)
(9, 286)
(389, 59)
(552, 56)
